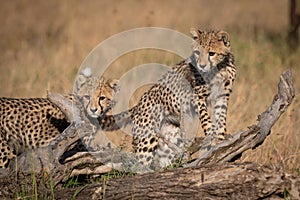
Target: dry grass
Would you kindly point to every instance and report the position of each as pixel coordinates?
(44, 42)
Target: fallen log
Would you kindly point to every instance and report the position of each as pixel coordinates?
(208, 176)
(215, 181)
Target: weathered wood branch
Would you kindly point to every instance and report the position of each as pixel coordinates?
(218, 181)
(208, 176)
(256, 134)
(211, 177)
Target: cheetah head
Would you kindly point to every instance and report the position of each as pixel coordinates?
(96, 93)
(101, 98)
(210, 48)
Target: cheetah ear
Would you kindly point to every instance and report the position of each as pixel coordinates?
(200, 32)
(80, 80)
(83, 77)
(115, 84)
(224, 36)
(195, 34)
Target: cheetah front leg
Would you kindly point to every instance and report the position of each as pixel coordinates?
(201, 108)
(220, 108)
(205, 119)
(220, 113)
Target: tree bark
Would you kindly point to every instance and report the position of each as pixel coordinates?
(218, 181)
(209, 176)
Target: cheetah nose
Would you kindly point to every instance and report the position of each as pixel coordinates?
(93, 110)
(203, 66)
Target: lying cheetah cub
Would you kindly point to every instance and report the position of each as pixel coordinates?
(35, 122)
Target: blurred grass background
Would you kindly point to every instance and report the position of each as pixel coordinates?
(43, 44)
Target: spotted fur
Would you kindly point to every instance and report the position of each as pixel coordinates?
(195, 85)
(35, 122)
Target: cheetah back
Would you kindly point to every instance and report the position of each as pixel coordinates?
(27, 123)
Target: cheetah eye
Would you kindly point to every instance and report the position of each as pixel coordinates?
(197, 52)
(211, 53)
(101, 98)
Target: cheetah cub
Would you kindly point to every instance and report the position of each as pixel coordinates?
(199, 85)
(35, 122)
